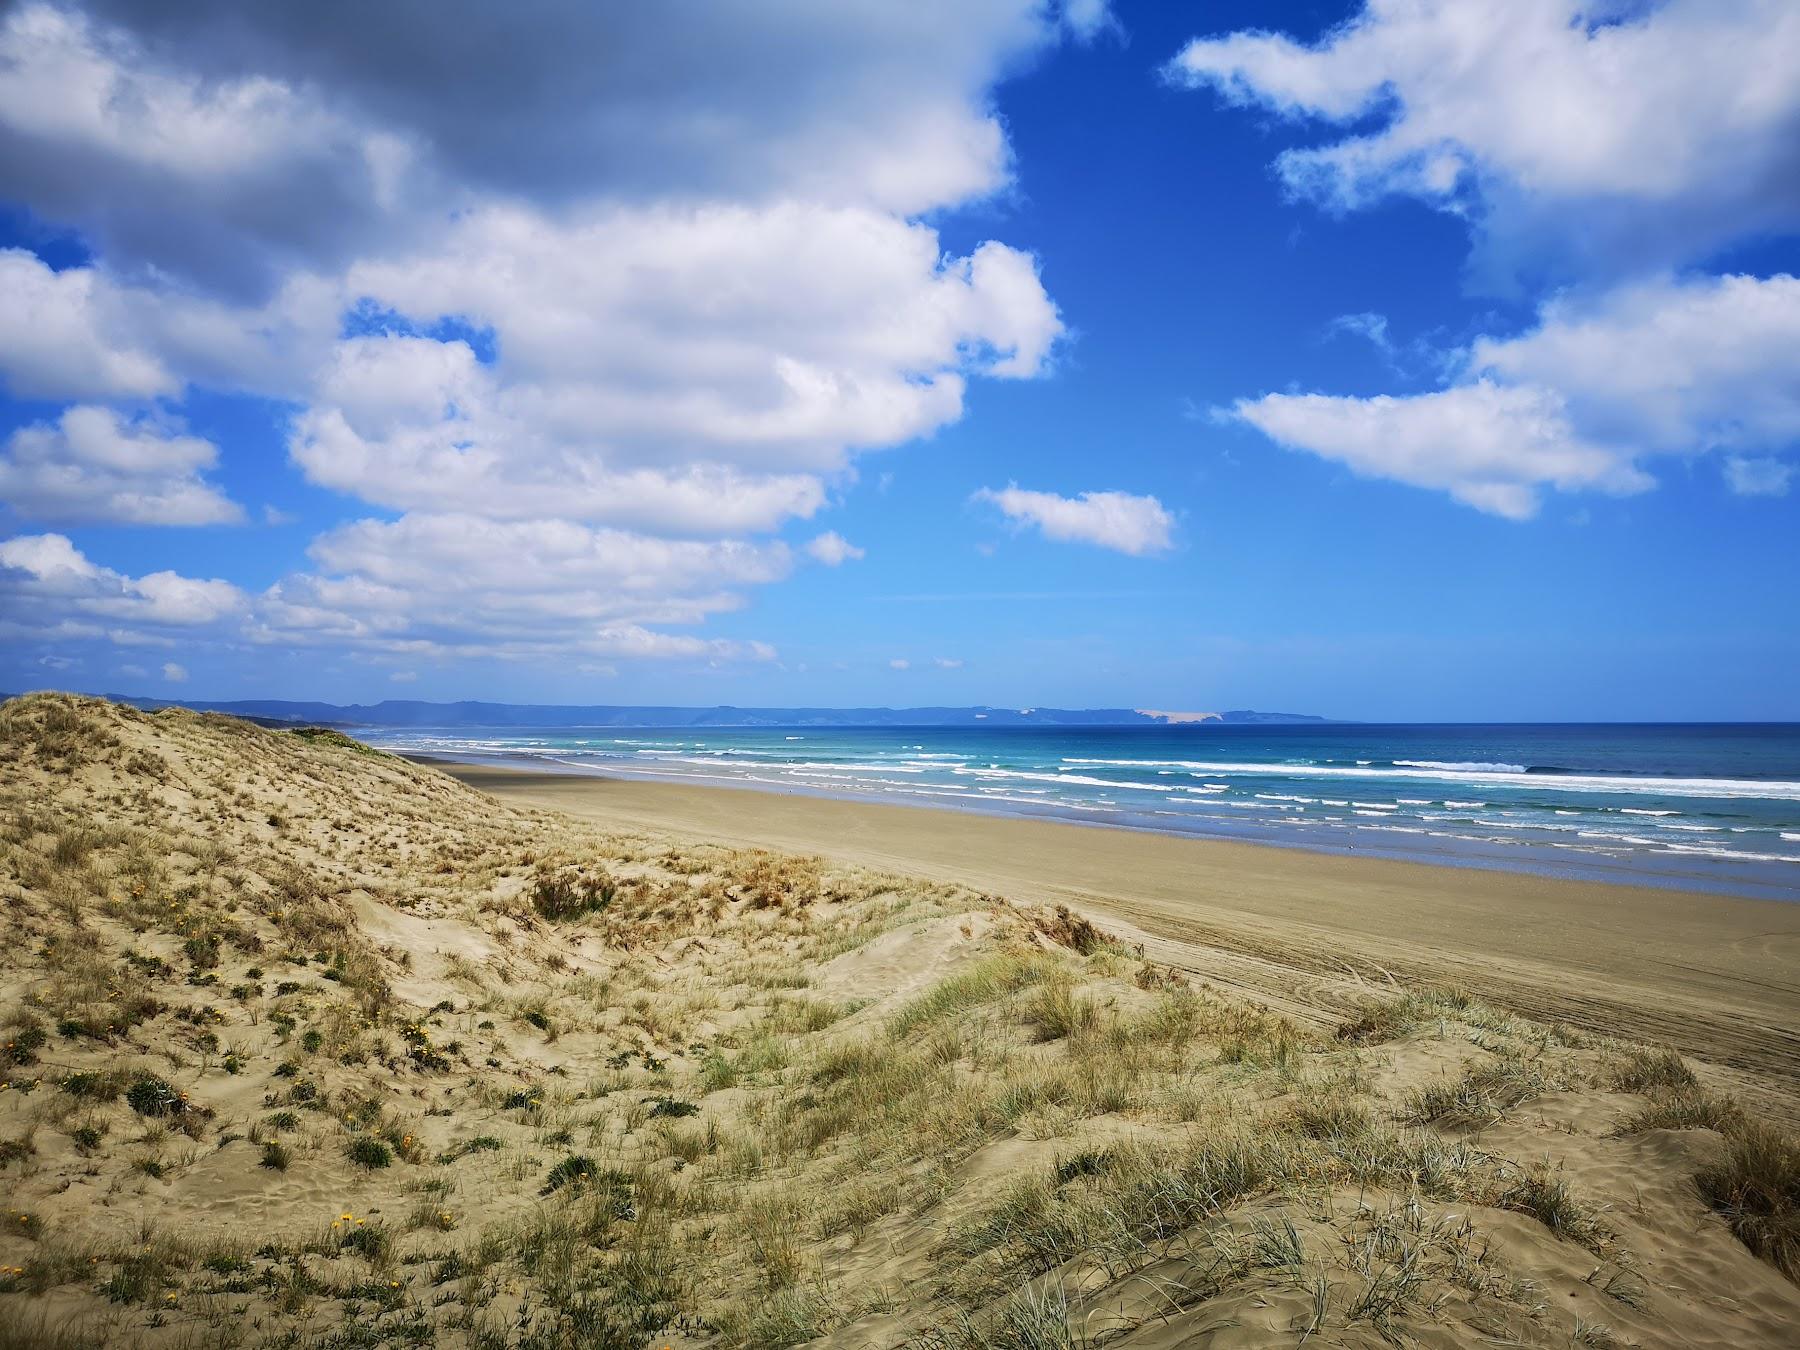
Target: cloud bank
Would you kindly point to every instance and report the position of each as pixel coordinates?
(594, 305)
(1668, 129)
(1582, 401)
(1605, 151)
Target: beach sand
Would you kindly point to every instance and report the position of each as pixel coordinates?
(1716, 977)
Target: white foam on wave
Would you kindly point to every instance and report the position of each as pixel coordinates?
(1736, 855)
(1457, 765)
(1786, 790)
(1079, 780)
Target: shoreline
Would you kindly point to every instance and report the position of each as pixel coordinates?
(1715, 976)
(1522, 861)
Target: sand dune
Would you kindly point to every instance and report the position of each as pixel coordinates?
(1713, 976)
(309, 1046)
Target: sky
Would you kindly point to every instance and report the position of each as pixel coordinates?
(1409, 360)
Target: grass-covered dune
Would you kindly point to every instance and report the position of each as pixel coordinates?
(306, 1045)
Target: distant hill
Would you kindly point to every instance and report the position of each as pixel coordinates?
(417, 713)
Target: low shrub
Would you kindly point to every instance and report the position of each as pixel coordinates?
(150, 1096)
(571, 895)
(369, 1153)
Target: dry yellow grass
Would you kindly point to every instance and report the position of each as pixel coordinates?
(310, 1046)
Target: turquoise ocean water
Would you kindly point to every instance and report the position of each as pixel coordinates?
(1712, 807)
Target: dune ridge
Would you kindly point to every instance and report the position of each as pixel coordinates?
(312, 1046)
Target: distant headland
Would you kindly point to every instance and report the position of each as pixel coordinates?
(418, 713)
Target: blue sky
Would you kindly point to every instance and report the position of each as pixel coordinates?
(1395, 361)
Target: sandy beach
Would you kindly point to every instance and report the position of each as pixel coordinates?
(1715, 977)
(306, 1044)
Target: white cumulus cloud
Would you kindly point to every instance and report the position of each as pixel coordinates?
(614, 297)
(1600, 137)
(1660, 366)
(1121, 521)
(461, 585)
(1490, 446)
(832, 549)
(63, 335)
(49, 587)
(92, 465)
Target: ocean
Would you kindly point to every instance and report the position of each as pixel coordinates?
(1708, 807)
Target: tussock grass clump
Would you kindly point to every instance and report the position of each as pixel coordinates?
(1403, 1258)
(43, 1332)
(481, 1143)
(1684, 1109)
(986, 982)
(368, 1153)
(790, 1316)
(1483, 1095)
(802, 1015)
(765, 880)
(151, 1096)
(1119, 1207)
(566, 894)
(719, 1071)
(1546, 1198)
(1068, 929)
(1118, 1202)
(1058, 1012)
(1038, 1317)
(572, 1169)
(1642, 1069)
(1756, 1186)
(1379, 1022)
(1389, 1019)
(98, 1086)
(1322, 1113)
